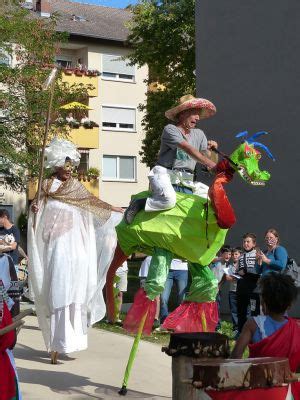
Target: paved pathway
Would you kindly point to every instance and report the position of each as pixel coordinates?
(93, 374)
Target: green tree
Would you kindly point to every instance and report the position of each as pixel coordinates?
(30, 44)
(162, 35)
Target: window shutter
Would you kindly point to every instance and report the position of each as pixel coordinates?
(127, 168)
(109, 167)
(115, 65)
(118, 115)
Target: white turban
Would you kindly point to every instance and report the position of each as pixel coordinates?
(57, 152)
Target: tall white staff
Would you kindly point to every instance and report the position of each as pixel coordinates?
(49, 83)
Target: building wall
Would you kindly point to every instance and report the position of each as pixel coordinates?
(119, 143)
(248, 65)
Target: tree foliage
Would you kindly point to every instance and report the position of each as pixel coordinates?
(162, 35)
(30, 43)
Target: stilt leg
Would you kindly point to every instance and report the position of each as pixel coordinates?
(132, 355)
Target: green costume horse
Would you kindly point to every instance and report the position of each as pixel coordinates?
(195, 230)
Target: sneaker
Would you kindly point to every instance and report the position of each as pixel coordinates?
(134, 207)
(160, 329)
(156, 324)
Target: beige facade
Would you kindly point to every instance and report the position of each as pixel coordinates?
(118, 147)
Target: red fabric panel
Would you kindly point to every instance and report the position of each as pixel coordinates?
(276, 393)
(285, 342)
(188, 317)
(119, 258)
(7, 373)
(136, 312)
(219, 200)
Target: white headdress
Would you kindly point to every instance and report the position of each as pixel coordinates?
(57, 152)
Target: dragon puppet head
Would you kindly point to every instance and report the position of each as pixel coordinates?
(246, 157)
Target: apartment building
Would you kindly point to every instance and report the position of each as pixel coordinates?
(96, 54)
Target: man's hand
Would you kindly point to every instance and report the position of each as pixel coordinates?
(117, 209)
(212, 144)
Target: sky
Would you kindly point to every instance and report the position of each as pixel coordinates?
(109, 3)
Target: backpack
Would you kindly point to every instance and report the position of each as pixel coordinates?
(293, 270)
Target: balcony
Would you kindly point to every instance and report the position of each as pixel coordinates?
(92, 186)
(85, 138)
(72, 77)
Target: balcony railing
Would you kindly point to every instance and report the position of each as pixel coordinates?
(75, 76)
(85, 138)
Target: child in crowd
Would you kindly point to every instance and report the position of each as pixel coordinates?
(245, 293)
(217, 268)
(232, 278)
(273, 334)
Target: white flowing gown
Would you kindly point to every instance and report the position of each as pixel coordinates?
(69, 255)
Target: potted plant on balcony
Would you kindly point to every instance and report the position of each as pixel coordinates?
(68, 71)
(93, 173)
(94, 124)
(87, 124)
(74, 124)
(92, 72)
(81, 175)
(79, 71)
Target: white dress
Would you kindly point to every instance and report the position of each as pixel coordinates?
(69, 255)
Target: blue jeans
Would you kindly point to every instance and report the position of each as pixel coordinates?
(218, 301)
(180, 278)
(233, 309)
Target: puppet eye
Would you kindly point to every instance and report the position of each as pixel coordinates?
(258, 156)
(248, 153)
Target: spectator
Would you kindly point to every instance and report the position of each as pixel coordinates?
(232, 278)
(70, 118)
(178, 275)
(79, 64)
(8, 228)
(121, 285)
(273, 334)
(85, 119)
(275, 257)
(246, 286)
(8, 377)
(218, 270)
(9, 280)
(143, 273)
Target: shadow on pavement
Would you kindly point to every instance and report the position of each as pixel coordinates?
(28, 353)
(71, 384)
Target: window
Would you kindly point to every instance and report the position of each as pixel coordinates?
(119, 168)
(5, 59)
(118, 118)
(63, 61)
(114, 68)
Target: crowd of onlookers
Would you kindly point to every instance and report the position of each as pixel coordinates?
(240, 267)
(243, 267)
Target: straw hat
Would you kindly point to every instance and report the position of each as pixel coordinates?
(187, 102)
